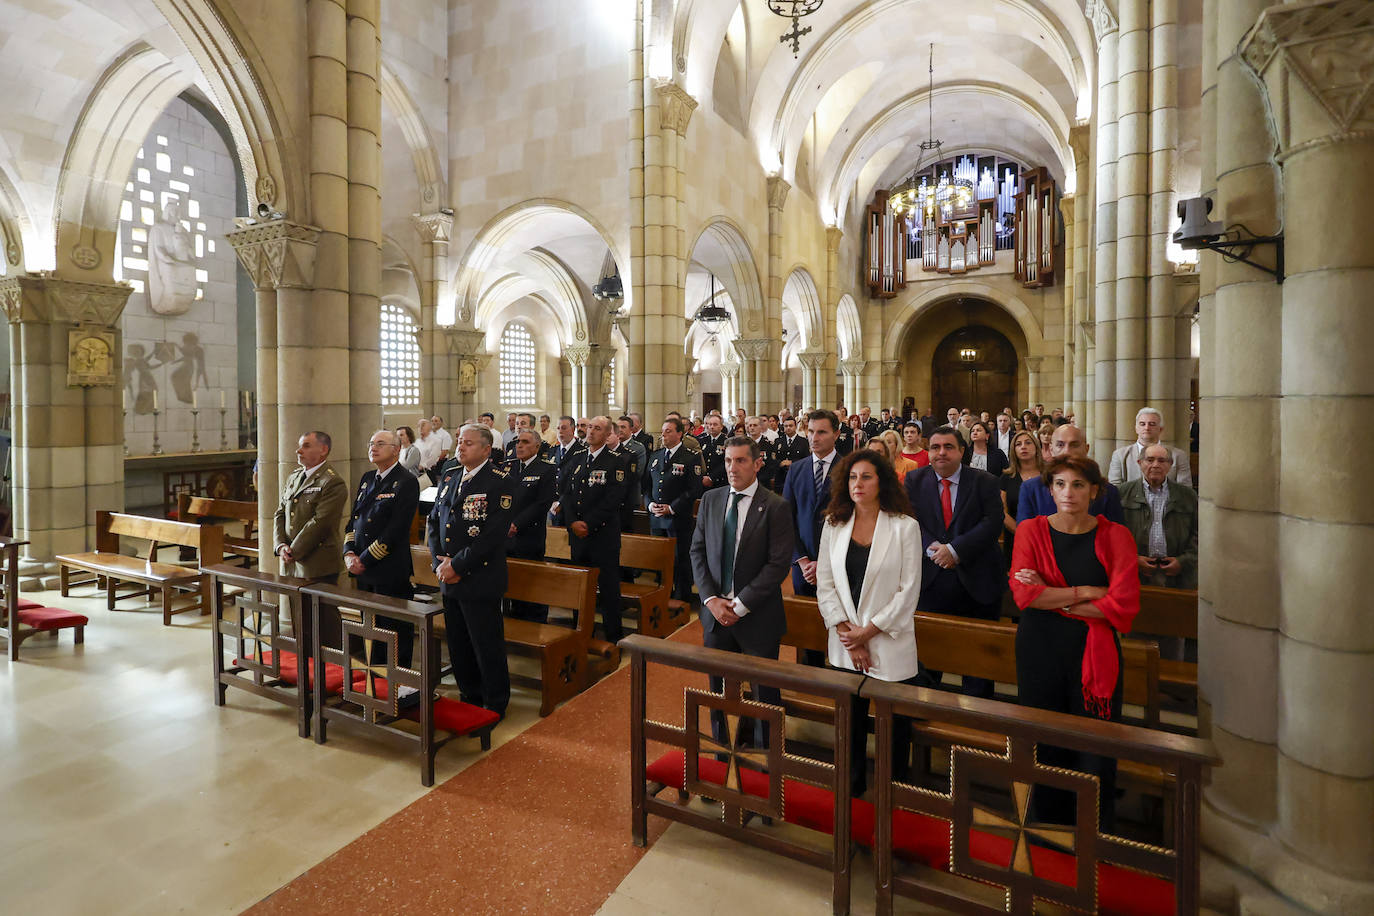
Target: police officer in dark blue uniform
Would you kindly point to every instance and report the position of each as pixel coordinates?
(791, 447)
(377, 538)
(468, 532)
(534, 482)
(713, 452)
(673, 484)
(591, 490)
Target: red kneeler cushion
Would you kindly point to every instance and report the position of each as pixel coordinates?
(290, 672)
(25, 604)
(925, 839)
(50, 618)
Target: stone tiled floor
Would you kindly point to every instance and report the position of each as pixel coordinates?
(125, 789)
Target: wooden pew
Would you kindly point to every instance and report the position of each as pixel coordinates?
(1170, 612)
(654, 611)
(202, 509)
(147, 575)
(562, 651)
(21, 618)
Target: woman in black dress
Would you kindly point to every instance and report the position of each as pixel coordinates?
(1025, 463)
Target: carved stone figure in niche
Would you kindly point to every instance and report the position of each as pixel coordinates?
(190, 368)
(138, 377)
(606, 382)
(467, 376)
(171, 264)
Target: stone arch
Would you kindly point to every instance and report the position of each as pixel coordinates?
(539, 275)
(912, 311)
(720, 247)
(848, 328)
(801, 296)
(16, 225)
(429, 168)
(400, 279)
(528, 225)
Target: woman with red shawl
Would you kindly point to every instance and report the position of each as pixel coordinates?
(1074, 576)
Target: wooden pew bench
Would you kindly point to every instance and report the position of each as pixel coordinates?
(21, 618)
(649, 605)
(1170, 612)
(562, 651)
(203, 509)
(147, 576)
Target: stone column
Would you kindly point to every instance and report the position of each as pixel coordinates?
(468, 360)
(891, 379)
(813, 361)
(364, 231)
(744, 386)
(1033, 393)
(852, 370)
(437, 383)
(578, 358)
(729, 385)
(757, 359)
(656, 320)
(1132, 220)
(1079, 372)
(279, 258)
(314, 326)
(1316, 60)
(834, 279)
(1104, 317)
(1239, 580)
(1162, 370)
(770, 388)
(66, 424)
(1067, 207)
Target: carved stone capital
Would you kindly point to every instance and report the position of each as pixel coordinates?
(1316, 61)
(1089, 329)
(1080, 141)
(277, 254)
(1033, 363)
(1103, 19)
(833, 236)
(852, 367)
(577, 355)
(675, 106)
(729, 368)
(812, 359)
(754, 348)
(465, 342)
(43, 297)
(777, 192)
(433, 227)
(891, 367)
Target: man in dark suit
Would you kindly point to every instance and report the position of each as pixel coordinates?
(377, 538)
(807, 492)
(640, 434)
(590, 492)
(713, 452)
(672, 482)
(635, 459)
(792, 447)
(754, 427)
(468, 530)
(740, 555)
(534, 482)
(566, 444)
(959, 509)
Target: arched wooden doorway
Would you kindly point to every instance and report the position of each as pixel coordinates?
(974, 367)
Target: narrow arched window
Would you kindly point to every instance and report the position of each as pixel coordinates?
(517, 365)
(400, 357)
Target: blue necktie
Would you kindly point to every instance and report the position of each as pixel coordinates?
(727, 545)
(820, 474)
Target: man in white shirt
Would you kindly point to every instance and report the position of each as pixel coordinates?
(430, 447)
(1002, 438)
(436, 427)
(1149, 429)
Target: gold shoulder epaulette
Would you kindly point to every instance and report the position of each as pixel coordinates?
(500, 472)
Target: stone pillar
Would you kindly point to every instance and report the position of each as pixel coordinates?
(1067, 207)
(744, 393)
(729, 385)
(852, 370)
(66, 379)
(756, 355)
(279, 257)
(834, 280)
(468, 360)
(1033, 393)
(813, 361)
(1132, 220)
(578, 358)
(770, 387)
(1240, 582)
(437, 383)
(1315, 60)
(656, 320)
(364, 231)
(1162, 370)
(890, 376)
(314, 328)
(1079, 372)
(1104, 317)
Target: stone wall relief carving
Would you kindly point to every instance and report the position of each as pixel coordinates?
(171, 264)
(90, 357)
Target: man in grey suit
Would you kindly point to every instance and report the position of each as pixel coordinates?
(741, 552)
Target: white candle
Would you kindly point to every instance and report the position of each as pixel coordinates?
(195, 401)
(221, 399)
(124, 399)
(155, 400)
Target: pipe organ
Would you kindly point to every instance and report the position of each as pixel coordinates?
(954, 216)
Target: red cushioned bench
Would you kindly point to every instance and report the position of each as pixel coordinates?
(21, 618)
(925, 840)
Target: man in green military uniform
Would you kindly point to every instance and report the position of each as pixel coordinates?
(307, 528)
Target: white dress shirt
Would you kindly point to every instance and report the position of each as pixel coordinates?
(953, 503)
(430, 446)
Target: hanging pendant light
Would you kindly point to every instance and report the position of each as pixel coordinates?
(712, 317)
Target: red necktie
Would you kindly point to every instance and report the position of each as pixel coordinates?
(947, 502)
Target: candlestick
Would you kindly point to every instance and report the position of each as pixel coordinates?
(154, 400)
(195, 400)
(195, 425)
(223, 440)
(123, 424)
(157, 446)
(221, 399)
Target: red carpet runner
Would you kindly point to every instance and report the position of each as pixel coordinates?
(540, 825)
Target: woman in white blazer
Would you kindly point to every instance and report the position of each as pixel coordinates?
(868, 577)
